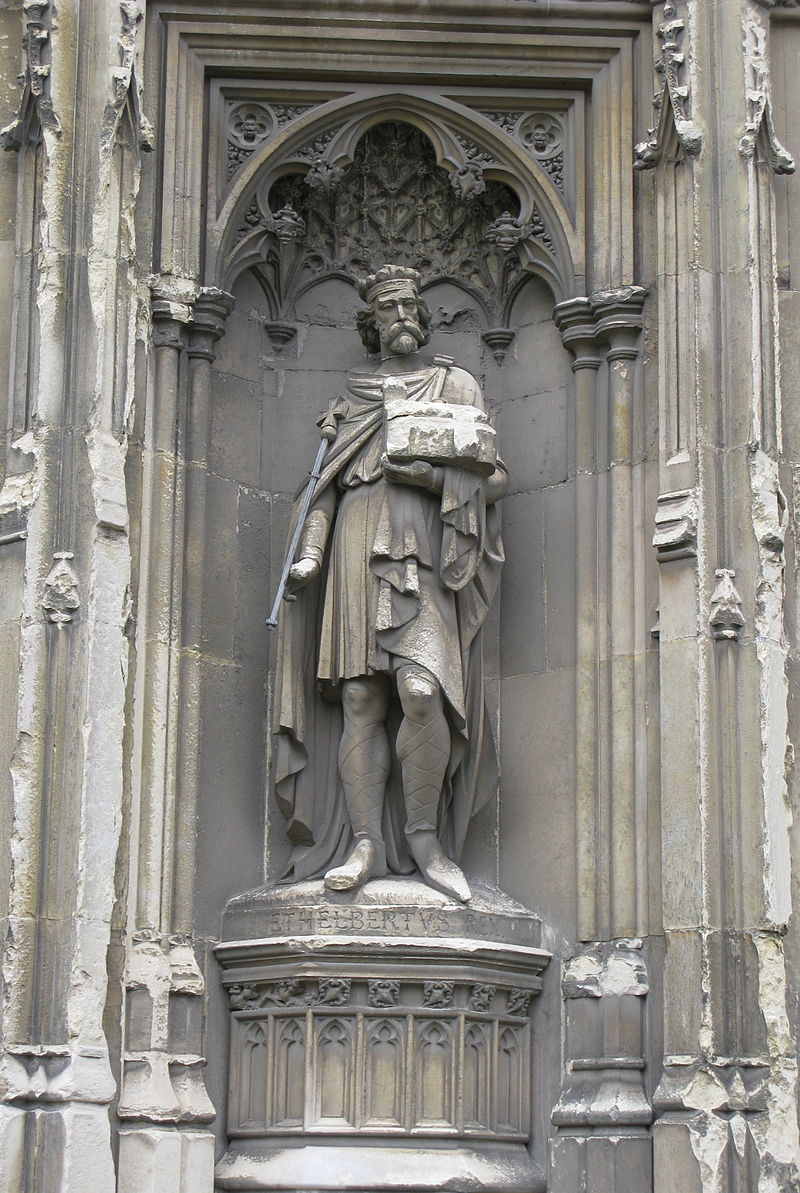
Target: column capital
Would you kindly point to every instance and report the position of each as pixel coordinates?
(574, 319)
(171, 311)
(167, 327)
(210, 309)
(612, 317)
(172, 299)
(619, 320)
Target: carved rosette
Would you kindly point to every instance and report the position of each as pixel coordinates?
(379, 1039)
(252, 123)
(249, 125)
(542, 134)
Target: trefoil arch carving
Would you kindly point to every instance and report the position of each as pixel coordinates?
(298, 188)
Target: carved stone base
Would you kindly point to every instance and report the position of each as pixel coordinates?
(380, 1040)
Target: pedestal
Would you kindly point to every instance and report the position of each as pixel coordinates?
(380, 1041)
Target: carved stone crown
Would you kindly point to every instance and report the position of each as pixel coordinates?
(388, 277)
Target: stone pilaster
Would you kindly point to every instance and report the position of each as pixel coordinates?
(164, 1105)
(602, 333)
(73, 331)
(574, 320)
(729, 1062)
(210, 309)
(603, 1113)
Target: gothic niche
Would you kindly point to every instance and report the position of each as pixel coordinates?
(394, 203)
(382, 1034)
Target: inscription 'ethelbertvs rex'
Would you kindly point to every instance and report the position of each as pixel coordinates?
(393, 921)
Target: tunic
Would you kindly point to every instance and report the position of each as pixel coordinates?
(408, 576)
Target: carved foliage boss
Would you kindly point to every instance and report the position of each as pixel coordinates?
(393, 201)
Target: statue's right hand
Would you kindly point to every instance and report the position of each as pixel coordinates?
(300, 574)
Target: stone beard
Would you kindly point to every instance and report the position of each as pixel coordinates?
(384, 750)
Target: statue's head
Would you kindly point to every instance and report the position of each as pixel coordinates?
(396, 319)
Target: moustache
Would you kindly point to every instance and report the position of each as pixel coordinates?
(405, 327)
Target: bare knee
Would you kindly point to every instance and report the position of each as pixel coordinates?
(364, 700)
(420, 694)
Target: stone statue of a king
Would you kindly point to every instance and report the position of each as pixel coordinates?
(384, 747)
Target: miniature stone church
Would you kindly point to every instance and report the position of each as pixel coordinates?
(398, 601)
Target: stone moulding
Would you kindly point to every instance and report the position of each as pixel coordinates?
(13, 526)
(676, 526)
(605, 1089)
(409, 1049)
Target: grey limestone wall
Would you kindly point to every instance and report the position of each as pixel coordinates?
(642, 655)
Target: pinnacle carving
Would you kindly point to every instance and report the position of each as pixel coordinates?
(60, 598)
(673, 93)
(759, 101)
(34, 80)
(288, 225)
(726, 618)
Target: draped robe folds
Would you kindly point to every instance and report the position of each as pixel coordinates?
(407, 575)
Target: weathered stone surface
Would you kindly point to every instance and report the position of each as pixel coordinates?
(388, 907)
(645, 699)
(440, 996)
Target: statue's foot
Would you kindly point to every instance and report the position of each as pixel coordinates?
(366, 861)
(436, 868)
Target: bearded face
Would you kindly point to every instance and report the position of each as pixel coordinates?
(397, 319)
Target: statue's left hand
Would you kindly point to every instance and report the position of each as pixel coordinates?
(418, 472)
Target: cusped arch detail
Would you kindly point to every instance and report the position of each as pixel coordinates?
(454, 132)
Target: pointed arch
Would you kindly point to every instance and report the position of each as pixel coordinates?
(459, 136)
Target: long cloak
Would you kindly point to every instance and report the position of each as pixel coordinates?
(308, 714)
